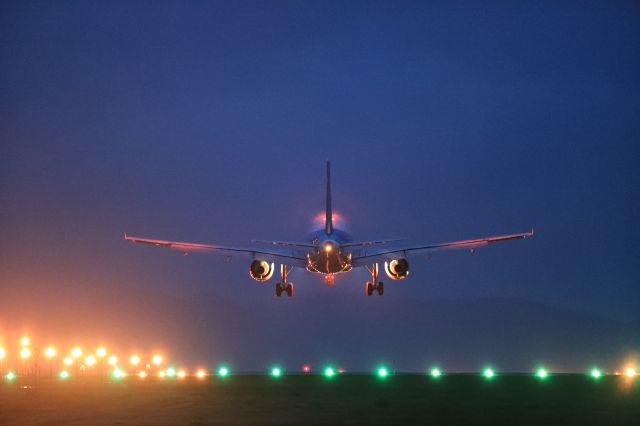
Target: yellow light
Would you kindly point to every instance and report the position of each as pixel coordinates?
(3, 353)
(134, 360)
(25, 353)
(142, 374)
(113, 360)
(25, 341)
(201, 374)
(101, 352)
(68, 360)
(327, 247)
(157, 360)
(181, 374)
(162, 374)
(76, 352)
(50, 352)
(630, 372)
(90, 361)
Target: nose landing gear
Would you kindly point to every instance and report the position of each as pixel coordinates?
(284, 287)
(329, 279)
(374, 284)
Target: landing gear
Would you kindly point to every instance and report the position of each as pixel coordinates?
(374, 284)
(285, 287)
(329, 279)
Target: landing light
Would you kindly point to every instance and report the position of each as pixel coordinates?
(328, 248)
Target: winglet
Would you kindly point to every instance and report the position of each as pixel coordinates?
(532, 233)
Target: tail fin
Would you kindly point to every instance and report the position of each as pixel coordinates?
(328, 221)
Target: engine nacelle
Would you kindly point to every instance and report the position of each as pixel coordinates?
(261, 270)
(397, 269)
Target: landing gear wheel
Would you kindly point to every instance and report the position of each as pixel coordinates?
(369, 288)
(289, 289)
(380, 288)
(278, 289)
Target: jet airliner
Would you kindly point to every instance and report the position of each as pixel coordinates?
(330, 251)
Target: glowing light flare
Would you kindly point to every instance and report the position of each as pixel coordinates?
(201, 374)
(101, 352)
(3, 353)
(10, 376)
(25, 353)
(435, 373)
(382, 372)
(171, 372)
(276, 372)
(630, 372)
(181, 374)
(64, 374)
(595, 373)
(76, 352)
(25, 341)
(50, 352)
(112, 360)
(162, 374)
(328, 247)
(119, 374)
(542, 373)
(223, 372)
(90, 361)
(306, 368)
(157, 359)
(68, 360)
(134, 360)
(489, 373)
(329, 372)
(142, 374)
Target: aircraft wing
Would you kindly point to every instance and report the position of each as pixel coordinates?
(288, 257)
(367, 258)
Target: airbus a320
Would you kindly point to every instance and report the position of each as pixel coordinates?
(329, 252)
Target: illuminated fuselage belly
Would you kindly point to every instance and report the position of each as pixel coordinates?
(328, 263)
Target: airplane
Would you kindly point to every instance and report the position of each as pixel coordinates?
(330, 252)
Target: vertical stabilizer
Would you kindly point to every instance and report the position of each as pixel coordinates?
(328, 221)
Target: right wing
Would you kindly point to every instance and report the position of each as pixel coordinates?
(288, 257)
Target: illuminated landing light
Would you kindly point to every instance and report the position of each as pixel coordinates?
(306, 368)
(328, 248)
(630, 372)
(64, 375)
(25, 353)
(435, 373)
(329, 372)
(134, 360)
(171, 372)
(596, 374)
(276, 372)
(76, 352)
(10, 376)
(156, 360)
(181, 374)
(223, 372)
(50, 352)
(488, 373)
(201, 374)
(25, 341)
(90, 361)
(142, 375)
(542, 373)
(382, 372)
(162, 374)
(119, 374)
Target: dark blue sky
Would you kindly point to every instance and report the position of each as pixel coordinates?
(211, 122)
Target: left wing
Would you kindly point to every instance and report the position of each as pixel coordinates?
(368, 258)
(288, 257)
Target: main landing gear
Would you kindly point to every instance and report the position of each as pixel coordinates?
(284, 287)
(374, 284)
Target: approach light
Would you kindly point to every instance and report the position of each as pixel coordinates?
(435, 373)
(276, 372)
(142, 374)
(10, 376)
(68, 360)
(488, 373)
(171, 372)
(182, 374)
(25, 353)
(64, 374)
(156, 360)
(76, 352)
(329, 372)
(134, 360)
(382, 372)
(113, 360)
(162, 374)
(223, 372)
(50, 352)
(3, 353)
(101, 352)
(90, 361)
(596, 374)
(25, 341)
(630, 372)
(201, 374)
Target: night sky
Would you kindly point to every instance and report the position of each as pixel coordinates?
(211, 122)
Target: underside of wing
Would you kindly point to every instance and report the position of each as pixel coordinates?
(372, 256)
(287, 256)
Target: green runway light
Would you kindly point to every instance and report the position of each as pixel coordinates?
(435, 373)
(542, 374)
(329, 372)
(382, 372)
(10, 376)
(596, 374)
(488, 373)
(171, 372)
(118, 374)
(223, 372)
(276, 372)
(64, 374)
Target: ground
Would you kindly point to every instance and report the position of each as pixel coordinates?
(344, 399)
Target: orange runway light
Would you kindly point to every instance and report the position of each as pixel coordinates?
(630, 372)
(142, 374)
(90, 361)
(113, 360)
(76, 352)
(157, 360)
(201, 374)
(134, 360)
(68, 360)
(25, 353)
(181, 374)
(50, 352)
(25, 341)
(3, 353)
(101, 352)
(162, 374)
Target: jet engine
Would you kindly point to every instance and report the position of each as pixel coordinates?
(397, 269)
(261, 270)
